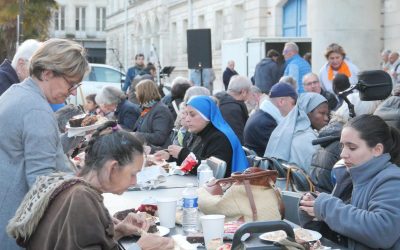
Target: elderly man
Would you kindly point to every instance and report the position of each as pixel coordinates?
(228, 73)
(232, 104)
(17, 70)
(296, 66)
(311, 84)
(385, 64)
(30, 144)
(395, 67)
(260, 125)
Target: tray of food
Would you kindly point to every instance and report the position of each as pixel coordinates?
(80, 124)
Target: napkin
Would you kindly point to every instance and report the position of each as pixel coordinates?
(151, 177)
(182, 244)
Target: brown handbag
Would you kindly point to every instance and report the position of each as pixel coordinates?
(251, 176)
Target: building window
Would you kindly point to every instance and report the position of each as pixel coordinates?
(100, 19)
(295, 18)
(185, 26)
(59, 17)
(80, 18)
(219, 29)
(201, 22)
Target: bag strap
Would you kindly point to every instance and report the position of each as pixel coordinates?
(279, 197)
(290, 181)
(247, 187)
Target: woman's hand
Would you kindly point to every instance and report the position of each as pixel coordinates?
(161, 155)
(133, 223)
(155, 242)
(174, 150)
(307, 204)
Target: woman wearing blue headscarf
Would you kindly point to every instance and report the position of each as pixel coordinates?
(291, 139)
(216, 137)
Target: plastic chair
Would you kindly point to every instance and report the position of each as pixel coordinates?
(218, 167)
(259, 227)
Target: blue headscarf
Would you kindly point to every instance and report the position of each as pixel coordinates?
(207, 107)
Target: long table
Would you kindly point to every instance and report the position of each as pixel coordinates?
(173, 188)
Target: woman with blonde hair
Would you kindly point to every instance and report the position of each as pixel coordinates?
(337, 63)
(155, 122)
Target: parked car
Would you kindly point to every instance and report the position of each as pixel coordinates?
(100, 75)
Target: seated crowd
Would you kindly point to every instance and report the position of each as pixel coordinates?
(355, 172)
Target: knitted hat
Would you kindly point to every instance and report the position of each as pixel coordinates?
(283, 89)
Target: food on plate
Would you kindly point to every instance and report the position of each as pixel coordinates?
(85, 120)
(226, 246)
(148, 208)
(274, 236)
(151, 161)
(303, 234)
(89, 120)
(122, 214)
(195, 238)
(76, 121)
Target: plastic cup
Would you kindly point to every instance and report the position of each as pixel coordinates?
(166, 212)
(213, 230)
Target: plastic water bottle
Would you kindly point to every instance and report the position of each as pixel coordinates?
(190, 209)
(202, 167)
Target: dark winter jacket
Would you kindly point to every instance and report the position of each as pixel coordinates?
(266, 74)
(257, 131)
(226, 77)
(325, 157)
(127, 114)
(234, 113)
(210, 142)
(155, 126)
(8, 76)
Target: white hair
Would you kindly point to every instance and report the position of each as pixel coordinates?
(239, 83)
(109, 95)
(25, 51)
(195, 91)
(292, 46)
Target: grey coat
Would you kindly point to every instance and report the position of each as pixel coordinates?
(155, 126)
(372, 219)
(29, 146)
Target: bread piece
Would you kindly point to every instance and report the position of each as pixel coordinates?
(76, 121)
(89, 120)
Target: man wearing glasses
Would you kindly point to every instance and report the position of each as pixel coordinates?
(29, 139)
(311, 84)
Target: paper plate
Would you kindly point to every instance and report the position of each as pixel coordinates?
(273, 236)
(306, 234)
(81, 131)
(162, 231)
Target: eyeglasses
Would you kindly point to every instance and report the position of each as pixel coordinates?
(73, 85)
(310, 83)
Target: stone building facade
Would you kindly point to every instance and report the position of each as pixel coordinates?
(83, 21)
(157, 28)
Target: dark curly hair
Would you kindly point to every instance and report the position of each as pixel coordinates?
(111, 143)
